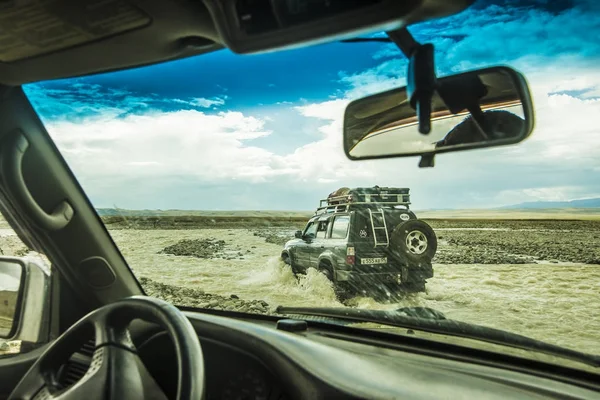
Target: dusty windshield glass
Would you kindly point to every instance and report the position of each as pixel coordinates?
(208, 173)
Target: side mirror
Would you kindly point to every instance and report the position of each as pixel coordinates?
(298, 235)
(12, 277)
(482, 108)
(24, 300)
(308, 237)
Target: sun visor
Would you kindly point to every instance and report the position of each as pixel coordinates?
(30, 28)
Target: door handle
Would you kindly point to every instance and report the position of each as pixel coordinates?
(12, 170)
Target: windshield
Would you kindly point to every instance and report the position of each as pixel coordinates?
(207, 171)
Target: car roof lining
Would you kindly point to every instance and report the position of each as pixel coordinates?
(174, 29)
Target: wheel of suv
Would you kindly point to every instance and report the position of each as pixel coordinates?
(325, 270)
(342, 291)
(413, 242)
(287, 260)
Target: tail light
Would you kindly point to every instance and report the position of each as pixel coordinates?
(350, 255)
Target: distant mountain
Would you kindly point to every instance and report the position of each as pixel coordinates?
(583, 203)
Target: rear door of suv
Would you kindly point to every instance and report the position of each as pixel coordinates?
(361, 236)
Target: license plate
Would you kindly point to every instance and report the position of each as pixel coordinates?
(382, 260)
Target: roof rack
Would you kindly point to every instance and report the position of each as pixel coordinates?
(364, 197)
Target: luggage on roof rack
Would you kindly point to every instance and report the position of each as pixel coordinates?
(343, 198)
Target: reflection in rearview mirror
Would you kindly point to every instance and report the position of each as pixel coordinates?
(10, 283)
(490, 107)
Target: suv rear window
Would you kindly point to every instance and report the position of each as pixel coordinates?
(340, 227)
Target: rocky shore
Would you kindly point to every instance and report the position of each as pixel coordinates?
(198, 298)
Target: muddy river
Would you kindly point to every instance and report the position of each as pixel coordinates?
(555, 301)
(540, 279)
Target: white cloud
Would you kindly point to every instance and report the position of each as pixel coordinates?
(206, 103)
(567, 128)
(552, 193)
(203, 102)
(165, 144)
(389, 74)
(387, 51)
(328, 110)
(207, 148)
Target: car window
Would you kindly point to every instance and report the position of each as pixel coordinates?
(322, 229)
(311, 230)
(340, 227)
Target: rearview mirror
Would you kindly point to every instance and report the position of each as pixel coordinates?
(483, 108)
(11, 279)
(298, 235)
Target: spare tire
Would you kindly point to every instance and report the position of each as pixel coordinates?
(413, 242)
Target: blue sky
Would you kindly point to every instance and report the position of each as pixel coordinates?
(229, 132)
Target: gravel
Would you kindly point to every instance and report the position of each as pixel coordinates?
(478, 255)
(200, 248)
(210, 248)
(199, 299)
(521, 245)
(275, 236)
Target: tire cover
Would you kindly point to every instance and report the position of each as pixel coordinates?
(400, 249)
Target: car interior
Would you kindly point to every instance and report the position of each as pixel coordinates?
(102, 336)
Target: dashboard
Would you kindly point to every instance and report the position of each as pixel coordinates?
(230, 373)
(253, 359)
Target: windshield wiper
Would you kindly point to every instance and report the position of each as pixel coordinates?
(444, 326)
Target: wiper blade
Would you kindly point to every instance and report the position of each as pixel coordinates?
(444, 326)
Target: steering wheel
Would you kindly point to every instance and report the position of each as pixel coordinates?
(116, 371)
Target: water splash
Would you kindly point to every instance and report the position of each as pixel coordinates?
(276, 280)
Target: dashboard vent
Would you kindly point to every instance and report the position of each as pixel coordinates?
(88, 348)
(71, 373)
(77, 365)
